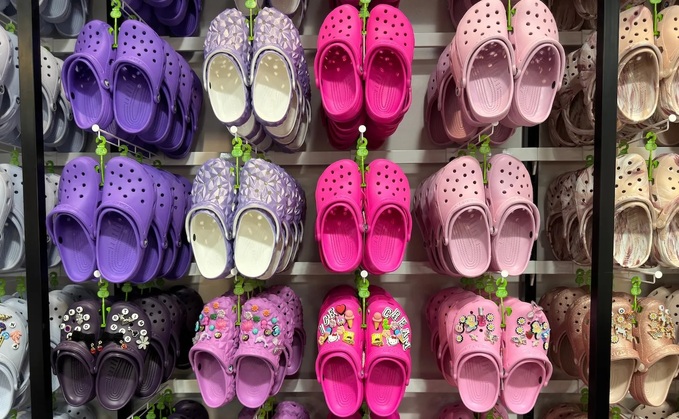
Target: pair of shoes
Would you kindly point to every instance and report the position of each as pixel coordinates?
(355, 362)
(266, 346)
(459, 411)
(282, 410)
(469, 225)
(344, 241)
(255, 226)
(530, 55)
(138, 343)
(130, 230)
(570, 205)
(466, 94)
(444, 117)
(9, 79)
(374, 90)
(169, 17)
(483, 360)
(153, 96)
(261, 88)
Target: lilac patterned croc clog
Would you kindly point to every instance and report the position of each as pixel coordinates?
(226, 71)
(208, 222)
(275, 66)
(212, 355)
(258, 233)
(299, 336)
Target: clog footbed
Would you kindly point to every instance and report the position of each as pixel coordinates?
(339, 229)
(387, 216)
(337, 64)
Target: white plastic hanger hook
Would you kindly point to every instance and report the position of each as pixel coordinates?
(233, 130)
(96, 129)
(361, 129)
(364, 274)
(504, 274)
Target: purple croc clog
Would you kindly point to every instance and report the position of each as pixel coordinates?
(138, 72)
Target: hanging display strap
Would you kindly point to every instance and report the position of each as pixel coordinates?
(54, 280)
(502, 293)
(116, 14)
(2, 287)
(657, 17)
(266, 410)
(49, 167)
(14, 158)
(511, 11)
(126, 289)
(484, 149)
(101, 151)
(362, 153)
(651, 146)
(635, 290)
(252, 9)
(21, 287)
(238, 291)
(362, 285)
(237, 154)
(584, 398)
(103, 294)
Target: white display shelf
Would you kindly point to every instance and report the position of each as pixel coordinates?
(416, 386)
(422, 40)
(325, 158)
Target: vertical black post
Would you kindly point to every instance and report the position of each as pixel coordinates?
(530, 137)
(604, 207)
(34, 207)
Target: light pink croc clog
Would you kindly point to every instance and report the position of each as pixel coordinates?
(477, 364)
(339, 225)
(515, 218)
(450, 105)
(387, 354)
(482, 62)
(431, 313)
(447, 320)
(461, 218)
(340, 349)
(526, 366)
(540, 61)
(433, 120)
(338, 62)
(387, 216)
(389, 50)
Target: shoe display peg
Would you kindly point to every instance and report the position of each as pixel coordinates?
(362, 285)
(362, 153)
